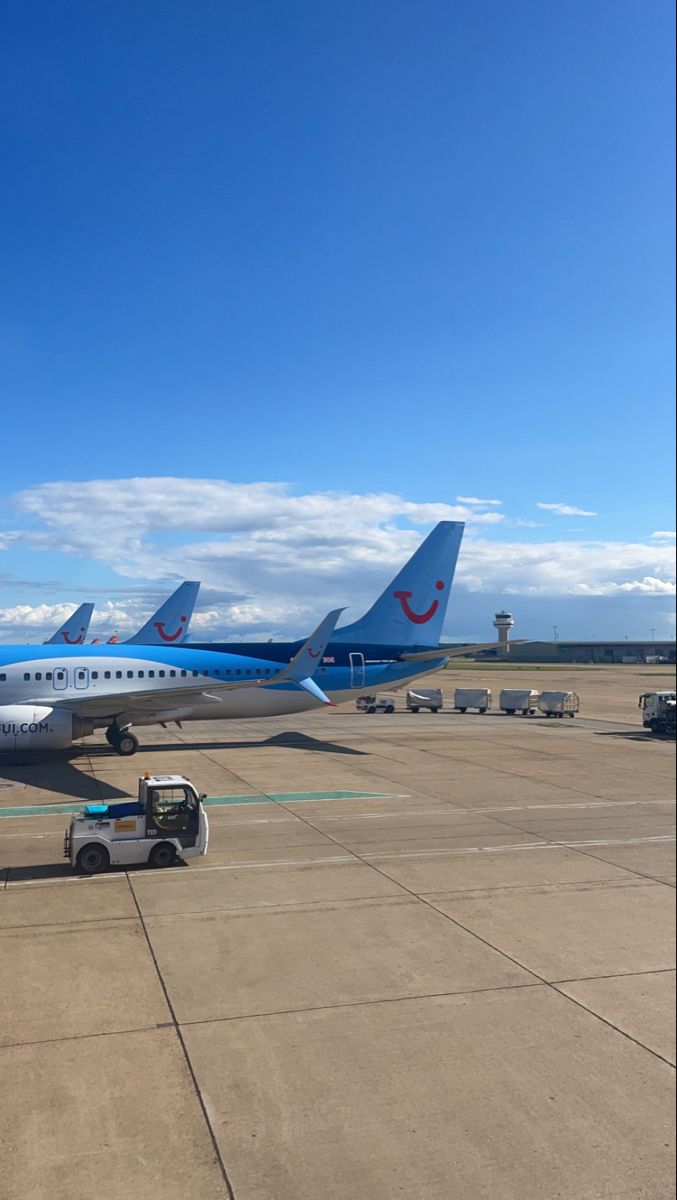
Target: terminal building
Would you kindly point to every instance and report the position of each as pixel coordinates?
(573, 652)
(586, 652)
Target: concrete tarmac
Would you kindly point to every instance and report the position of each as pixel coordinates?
(426, 956)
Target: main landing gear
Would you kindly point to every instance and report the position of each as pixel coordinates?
(123, 741)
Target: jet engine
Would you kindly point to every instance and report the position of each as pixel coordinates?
(36, 727)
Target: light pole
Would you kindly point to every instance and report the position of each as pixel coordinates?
(653, 635)
(554, 633)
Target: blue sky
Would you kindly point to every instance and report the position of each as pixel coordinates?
(416, 250)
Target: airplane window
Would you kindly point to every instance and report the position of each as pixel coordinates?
(47, 676)
(238, 672)
(106, 674)
(248, 671)
(95, 674)
(195, 673)
(151, 674)
(229, 672)
(205, 672)
(130, 674)
(82, 674)
(3, 678)
(183, 674)
(60, 675)
(161, 674)
(140, 674)
(38, 674)
(172, 674)
(26, 675)
(217, 671)
(118, 674)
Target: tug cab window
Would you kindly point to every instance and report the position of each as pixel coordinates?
(172, 808)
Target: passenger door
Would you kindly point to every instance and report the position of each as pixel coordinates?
(357, 670)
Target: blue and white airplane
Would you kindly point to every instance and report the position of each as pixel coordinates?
(397, 639)
(52, 695)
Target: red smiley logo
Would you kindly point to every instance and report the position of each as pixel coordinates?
(418, 618)
(169, 637)
(76, 641)
(314, 653)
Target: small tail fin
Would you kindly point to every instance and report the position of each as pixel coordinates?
(411, 610)
(169, 625)
(73, 631)
(304, 664)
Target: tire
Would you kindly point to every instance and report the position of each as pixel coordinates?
(525, 712)
(414, 710)
(482, 710)
(112, 736)
(572, 715)
(435, 710)
(462, 710)
(92, 859)
(371, 709)
(560, 715)
(162, 855)
(128, 744)
(390, 708)
(548, 714)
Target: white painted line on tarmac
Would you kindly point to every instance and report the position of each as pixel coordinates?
(150, 876)
(501, 808)
(519, 846)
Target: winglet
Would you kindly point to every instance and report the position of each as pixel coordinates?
(169, 625)
(73, 631)
(306, 661)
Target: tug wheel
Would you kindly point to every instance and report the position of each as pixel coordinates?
(93, 859)
(162, 855)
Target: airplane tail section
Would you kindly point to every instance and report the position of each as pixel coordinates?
(169, 625)
(73, 631)
(411, 610)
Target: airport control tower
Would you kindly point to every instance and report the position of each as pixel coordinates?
(503, 622)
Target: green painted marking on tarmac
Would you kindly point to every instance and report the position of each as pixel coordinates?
(59, 810)
(44, 810)
(294, 797)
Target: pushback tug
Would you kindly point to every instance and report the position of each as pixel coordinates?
(166, 824)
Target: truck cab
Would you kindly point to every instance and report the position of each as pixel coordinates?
(167, 823)
(658, 712)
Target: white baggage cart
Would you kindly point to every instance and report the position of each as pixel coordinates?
(479, 698)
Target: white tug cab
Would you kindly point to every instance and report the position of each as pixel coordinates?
(166, 824)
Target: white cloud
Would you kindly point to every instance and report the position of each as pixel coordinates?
(565, 510)
(473, 501)
(664, 535)
(271, 562)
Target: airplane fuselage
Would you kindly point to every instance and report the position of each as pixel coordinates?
(53, 675)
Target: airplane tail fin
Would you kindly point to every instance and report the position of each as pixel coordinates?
(73, 631)
(411, 610)
(169, 625)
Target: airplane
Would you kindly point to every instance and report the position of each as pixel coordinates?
(396, 641)
(73, 631)
(169, 625)
(50, 696)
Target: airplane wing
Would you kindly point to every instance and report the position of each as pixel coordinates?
(179, 699)
(454, 651)
(73, 631)
(169, 625)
